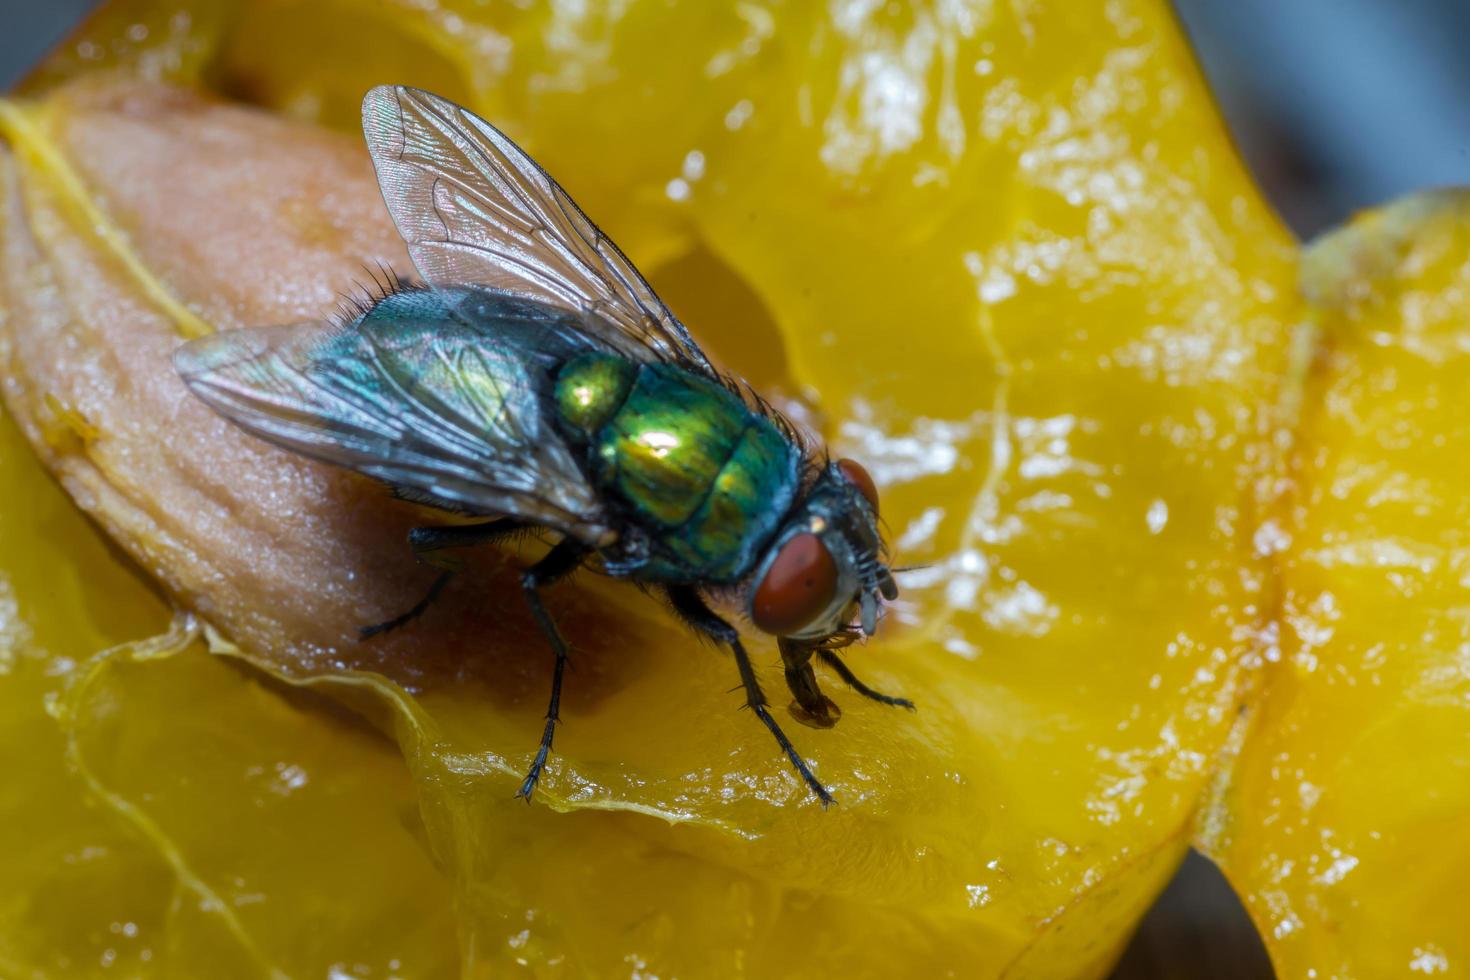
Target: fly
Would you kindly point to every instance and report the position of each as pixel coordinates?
(536, 381)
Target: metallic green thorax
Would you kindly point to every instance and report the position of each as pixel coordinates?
(711, 478)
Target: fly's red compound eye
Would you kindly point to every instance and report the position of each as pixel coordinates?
(859, 478)
(798, 587)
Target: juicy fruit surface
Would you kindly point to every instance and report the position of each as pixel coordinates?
(1343, 820)
(1008, 252)
(1030, 305)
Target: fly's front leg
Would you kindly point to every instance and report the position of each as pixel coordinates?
(558, 563)
(429, 545)
(811, 707)
(692, 608)
(832, 660)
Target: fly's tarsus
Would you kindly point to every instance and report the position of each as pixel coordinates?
(845, 672)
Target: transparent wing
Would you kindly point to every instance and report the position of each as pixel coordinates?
(475, 209)
(438, 410)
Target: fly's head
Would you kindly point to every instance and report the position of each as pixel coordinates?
(823, 580)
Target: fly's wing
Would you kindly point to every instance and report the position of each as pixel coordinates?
(474, 209)
(438, 410)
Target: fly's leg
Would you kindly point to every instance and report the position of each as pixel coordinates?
(414, 612)
(688, 604)
(558, 563)
(845, 672)
(811, 707)
(428, 543)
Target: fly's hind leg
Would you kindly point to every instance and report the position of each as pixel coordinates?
(691, 607)
(559, 562)
(845, 672)
(414, 612)
(428, 544)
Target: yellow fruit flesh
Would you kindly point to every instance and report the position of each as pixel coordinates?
(1011, 256)
(1343, 822)
(157, 807)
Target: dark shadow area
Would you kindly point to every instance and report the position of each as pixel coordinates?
(1197, 929)
(732, 322)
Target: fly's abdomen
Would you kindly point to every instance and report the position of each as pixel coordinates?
(707, 476)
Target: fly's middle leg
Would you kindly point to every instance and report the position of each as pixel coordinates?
(429, 545)
(559, 562)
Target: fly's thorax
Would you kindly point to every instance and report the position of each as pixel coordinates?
(590, 388)
(685, 458)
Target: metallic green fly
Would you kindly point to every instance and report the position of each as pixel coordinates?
(536, 381)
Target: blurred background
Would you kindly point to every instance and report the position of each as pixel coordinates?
(1336, 105)
(1340, 104)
